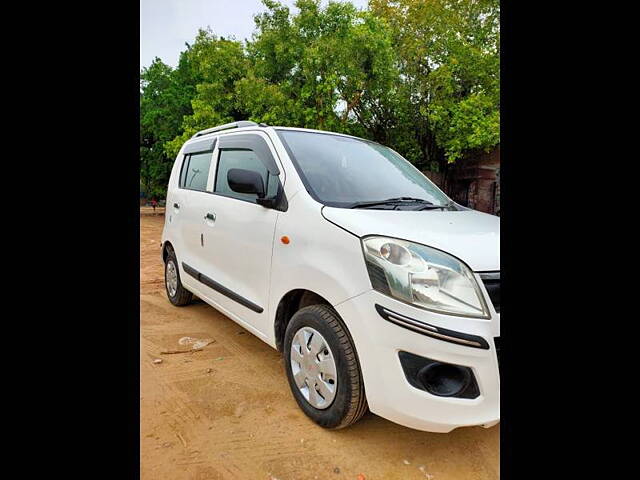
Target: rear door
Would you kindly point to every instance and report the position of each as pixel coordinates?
(238, 232)
(194, 189)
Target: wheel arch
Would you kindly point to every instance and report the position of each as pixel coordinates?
(289, 304)
(166, 247)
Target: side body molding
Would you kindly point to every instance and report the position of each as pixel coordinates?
(221, 288)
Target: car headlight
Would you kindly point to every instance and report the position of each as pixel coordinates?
(423, 276)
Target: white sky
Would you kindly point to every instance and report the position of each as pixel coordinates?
(165, 25)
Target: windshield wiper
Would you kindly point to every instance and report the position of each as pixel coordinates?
(396, 202)
(433, 206)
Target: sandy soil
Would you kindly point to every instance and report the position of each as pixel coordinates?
(226, 412)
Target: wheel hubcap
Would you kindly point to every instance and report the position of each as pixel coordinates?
(314, 368)
(171, 277)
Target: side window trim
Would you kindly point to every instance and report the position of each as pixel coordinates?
(183, 170)
(201, 146)
(213, 170)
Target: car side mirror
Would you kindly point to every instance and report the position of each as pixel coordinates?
(245, 181)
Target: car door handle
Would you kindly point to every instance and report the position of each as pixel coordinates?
(210, 216)
(176, 205)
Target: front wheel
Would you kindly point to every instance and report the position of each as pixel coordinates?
(322, 368)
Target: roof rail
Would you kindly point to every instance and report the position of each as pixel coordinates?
(226, 126)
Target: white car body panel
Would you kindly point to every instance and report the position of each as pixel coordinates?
(321, 257)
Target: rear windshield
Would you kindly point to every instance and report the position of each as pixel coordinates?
(343, 171)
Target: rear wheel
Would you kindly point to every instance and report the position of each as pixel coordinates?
(322, 368)
(178, 295)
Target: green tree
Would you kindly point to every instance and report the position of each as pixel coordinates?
(165, 98)
(218, 63)
(329, 68)
(421, 76)
(450, 66)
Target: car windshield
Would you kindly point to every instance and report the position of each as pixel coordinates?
(345, 172)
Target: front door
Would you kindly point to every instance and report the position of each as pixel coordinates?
(238, 232)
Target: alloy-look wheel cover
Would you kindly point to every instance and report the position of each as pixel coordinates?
(171, 278)
(314, 368)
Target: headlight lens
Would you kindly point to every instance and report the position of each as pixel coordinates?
(423, 276)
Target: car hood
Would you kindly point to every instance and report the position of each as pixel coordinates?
(471, 236)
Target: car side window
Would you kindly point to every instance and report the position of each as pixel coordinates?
(195, 171)
(247, 160)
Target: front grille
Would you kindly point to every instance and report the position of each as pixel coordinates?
(497, 343)
(491, 282)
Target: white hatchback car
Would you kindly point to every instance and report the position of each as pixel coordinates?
(381, 292)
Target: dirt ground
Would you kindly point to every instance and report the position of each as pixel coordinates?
(226, 412)
(144, 211)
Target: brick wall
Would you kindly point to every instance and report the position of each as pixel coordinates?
(473, 181)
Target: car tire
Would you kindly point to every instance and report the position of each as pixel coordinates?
(347, 400)
(177, 294)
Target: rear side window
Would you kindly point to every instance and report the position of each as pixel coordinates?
(195, 171)
(247, 160)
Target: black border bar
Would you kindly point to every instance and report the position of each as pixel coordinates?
(221, 289)
(459, 338)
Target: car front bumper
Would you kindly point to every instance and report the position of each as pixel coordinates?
(389, 393)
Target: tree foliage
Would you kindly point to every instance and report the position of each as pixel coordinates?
(218, 64)
(165, 101)
(421, 76)
(450, 66)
